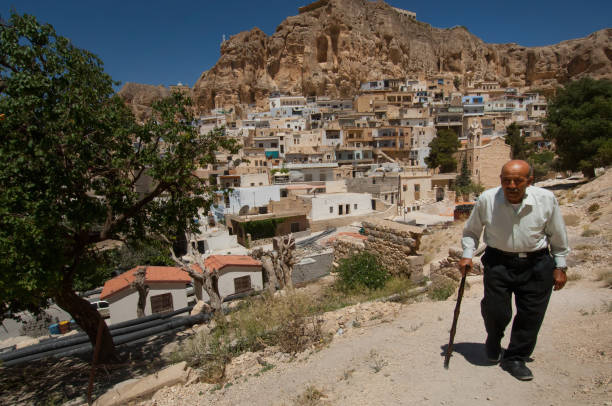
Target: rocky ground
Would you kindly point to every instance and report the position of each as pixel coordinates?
(390, 353)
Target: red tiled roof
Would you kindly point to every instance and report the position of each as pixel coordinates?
(159, 274)
(331, 240)
(217, 262)
(351, 234)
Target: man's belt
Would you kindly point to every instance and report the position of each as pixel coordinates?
(531, 254)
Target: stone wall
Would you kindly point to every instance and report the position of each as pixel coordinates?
(395, 244)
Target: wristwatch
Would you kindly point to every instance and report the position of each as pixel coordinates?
(562, 268)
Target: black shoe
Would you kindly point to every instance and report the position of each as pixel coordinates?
(495, 358)
(517, 369)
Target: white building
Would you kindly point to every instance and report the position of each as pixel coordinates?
(333, 205)
(250, 196)
(166, 292)
(312, 171)
(237, 274)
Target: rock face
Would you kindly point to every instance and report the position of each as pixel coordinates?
(334, 45)
(141, 97)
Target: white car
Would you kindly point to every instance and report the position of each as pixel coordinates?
(102, 307)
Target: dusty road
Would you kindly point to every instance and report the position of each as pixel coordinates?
(401, 362)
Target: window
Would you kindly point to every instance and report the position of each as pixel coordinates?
(161, 303)
(404, 188)
(242, 284)
(295, 227)
(348, 208)
(201, 248)
(252, 184)
(331, 209)
(355, 206)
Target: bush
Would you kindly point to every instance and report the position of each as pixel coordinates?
(362, 270)
(593, 208)
(441, 288)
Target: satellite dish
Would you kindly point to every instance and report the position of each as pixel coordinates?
(244, 210)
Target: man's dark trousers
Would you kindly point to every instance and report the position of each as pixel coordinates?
(531, 281)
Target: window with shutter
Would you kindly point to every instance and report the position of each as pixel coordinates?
(242, 284)
(161, 303)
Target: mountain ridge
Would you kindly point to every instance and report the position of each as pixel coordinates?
(334, 45)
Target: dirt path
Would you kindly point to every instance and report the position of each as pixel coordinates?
(400, 362)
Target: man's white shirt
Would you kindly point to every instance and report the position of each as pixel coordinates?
(536, 224)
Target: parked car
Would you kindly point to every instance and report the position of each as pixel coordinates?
(463, 210)
(102, 307)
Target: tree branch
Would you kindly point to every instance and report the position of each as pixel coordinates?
(130, 212)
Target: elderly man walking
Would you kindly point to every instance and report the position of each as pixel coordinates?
(523, 227)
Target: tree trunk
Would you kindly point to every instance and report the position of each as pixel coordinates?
(211, 285)
(589, 173)
(143, 291)
(140, 277)
(88, 319)
(268, 268)
(197, 288)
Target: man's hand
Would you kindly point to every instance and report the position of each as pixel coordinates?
(559, 277)
(465, 265)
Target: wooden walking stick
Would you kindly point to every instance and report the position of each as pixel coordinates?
(449, 349)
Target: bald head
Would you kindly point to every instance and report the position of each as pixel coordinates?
(515, 177)
(517, 166)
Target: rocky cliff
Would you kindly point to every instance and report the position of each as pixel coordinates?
(141, 97)
(333, 45)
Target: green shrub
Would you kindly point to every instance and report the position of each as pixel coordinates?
(441, 288)
(361, 270)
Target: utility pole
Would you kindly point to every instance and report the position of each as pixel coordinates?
(399, 191)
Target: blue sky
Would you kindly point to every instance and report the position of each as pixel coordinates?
(165, 42)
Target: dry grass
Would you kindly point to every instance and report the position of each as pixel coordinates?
(311, 396)
(574, 276)
(290, 321)
(588, 232)
(606, 277)
(376, 361)
(593, 208)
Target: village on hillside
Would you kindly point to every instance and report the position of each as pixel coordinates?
(313, 166)
(189, 257)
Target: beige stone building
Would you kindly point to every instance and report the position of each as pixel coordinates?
(485, 156)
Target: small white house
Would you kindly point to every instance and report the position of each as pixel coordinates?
(237, 274)
(166, 292)
(333, 205)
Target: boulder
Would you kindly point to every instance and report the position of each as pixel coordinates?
(133, 389)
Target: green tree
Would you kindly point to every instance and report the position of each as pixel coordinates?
(464, 178)
(442, 148)
(542, 163)
(579, 121)
(520, 148)
(71, 153)
(142, 252)
(463, 182)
